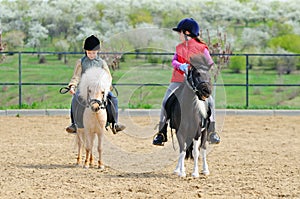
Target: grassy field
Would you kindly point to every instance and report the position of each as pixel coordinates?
(138, 72)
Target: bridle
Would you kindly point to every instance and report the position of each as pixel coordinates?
(90, 102)
(101, 103)
(194, 86)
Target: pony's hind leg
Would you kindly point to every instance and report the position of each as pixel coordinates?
(196, 144)
(100, 165)
(87, 156)
(91, 159)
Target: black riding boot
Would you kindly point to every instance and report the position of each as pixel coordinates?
(213, 137)
(161, 136)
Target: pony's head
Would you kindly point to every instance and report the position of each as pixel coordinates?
(94, 87)
(199, 77)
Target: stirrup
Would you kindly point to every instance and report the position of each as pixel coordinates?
(162, 141)
(214, 138)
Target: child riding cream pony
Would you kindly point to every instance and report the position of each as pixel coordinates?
(94, 87)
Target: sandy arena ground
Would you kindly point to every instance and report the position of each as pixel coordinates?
(259, 157)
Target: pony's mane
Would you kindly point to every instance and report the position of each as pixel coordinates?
(96, 79)
(199, 61)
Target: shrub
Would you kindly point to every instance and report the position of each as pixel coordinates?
(237, 64)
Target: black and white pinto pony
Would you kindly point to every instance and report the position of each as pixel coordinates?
(94, 87)
(188, 112)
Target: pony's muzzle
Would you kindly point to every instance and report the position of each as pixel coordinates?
(96, 105)
(204, 90)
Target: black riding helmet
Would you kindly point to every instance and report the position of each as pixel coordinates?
(188, 24)
(91, 43)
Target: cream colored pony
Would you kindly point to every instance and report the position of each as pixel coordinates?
(94, 87)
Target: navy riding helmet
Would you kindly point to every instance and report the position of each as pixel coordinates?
(91, 43)
(188, 24)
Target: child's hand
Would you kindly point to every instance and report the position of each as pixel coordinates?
(184, 67)
(72, 90)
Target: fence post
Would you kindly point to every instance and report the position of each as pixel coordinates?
(247, 80)
(20, 81)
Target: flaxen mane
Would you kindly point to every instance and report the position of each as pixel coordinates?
(95, 79)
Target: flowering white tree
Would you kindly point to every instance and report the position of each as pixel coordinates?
(36, 34)
(73, 20)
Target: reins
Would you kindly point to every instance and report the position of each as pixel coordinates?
(191, 84)
(102, 104)
(64, 90)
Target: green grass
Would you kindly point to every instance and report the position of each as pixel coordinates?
(137, 71)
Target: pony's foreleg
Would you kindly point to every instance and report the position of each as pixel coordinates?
(87, 156)
(100, 163)
(205, 170)
(180, 169)
(91, 159)
(196, 144)
(79, 138)
(89, 146)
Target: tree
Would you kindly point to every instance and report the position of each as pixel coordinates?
(74, 21)
(253, 38)
(14, 39)
(36, 34)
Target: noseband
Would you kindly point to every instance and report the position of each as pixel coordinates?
(91, 102)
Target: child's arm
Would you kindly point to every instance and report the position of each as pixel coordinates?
(179, 66)
(175, 62)
(76, 75)
(208, 58)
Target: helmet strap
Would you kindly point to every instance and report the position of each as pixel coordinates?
(185, 37)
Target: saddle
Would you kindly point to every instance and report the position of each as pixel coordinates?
(172, 108)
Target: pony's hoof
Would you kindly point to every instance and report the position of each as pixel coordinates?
(176, 172)
(206, 173)
(101, 167)
(180, 174)
(195, 175)
(86, 166)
